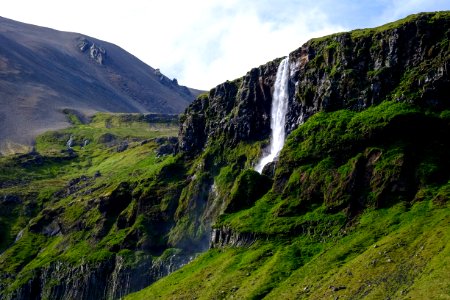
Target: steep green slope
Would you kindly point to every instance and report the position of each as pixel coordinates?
(225, 131)
(75, 212)
(358, 209)
(399, 252)
(358, 205)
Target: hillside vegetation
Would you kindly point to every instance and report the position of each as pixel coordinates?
(66, 208)
(356, 206)
(358, 209)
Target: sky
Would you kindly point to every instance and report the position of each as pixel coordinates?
(203, 43)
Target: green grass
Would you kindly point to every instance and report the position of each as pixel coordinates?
(39, 181)
(359, 209)
(379, 257)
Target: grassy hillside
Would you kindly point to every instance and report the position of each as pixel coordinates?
(63, 205)
(358, 209)
(401, 252)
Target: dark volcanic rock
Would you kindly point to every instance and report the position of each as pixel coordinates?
(269, 169)
(237, 111)
(75, 185)
(122, 146)
(226, 237)
(10, 199)
(110, 279)
(107, 138)
(167, 146)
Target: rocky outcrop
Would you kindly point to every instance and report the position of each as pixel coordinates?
(96, 53)
(171, 83)
(9, 199)
(122, 146)
(226, 237)
(358, 69)
(235, 110)
(406, 61)
(109, 279)
(166, 146)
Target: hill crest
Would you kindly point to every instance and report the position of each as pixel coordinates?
(44, 71)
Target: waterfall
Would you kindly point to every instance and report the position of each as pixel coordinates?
(280, 101)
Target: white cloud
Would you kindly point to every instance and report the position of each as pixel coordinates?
(233, 40)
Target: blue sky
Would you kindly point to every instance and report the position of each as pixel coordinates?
(205, 42)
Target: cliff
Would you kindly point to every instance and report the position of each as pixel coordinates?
(354, 205)
(403, 61)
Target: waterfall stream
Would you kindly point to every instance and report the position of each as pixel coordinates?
(280, 101)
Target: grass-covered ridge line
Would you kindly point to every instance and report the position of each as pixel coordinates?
(358, 208)
(389, 26)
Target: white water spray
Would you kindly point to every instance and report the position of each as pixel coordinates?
(280, 101)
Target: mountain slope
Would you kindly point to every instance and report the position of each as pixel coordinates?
(43, 71)
(356, 206)
(359, 208)
(359, 201)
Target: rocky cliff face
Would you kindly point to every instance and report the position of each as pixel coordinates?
(226, 237)
(110, 279)
(359, 69)
(238, 111)
(405, 61)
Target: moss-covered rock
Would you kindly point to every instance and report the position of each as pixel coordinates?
(248, 187)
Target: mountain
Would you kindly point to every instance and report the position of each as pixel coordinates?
(44, 71)
(356, 205)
